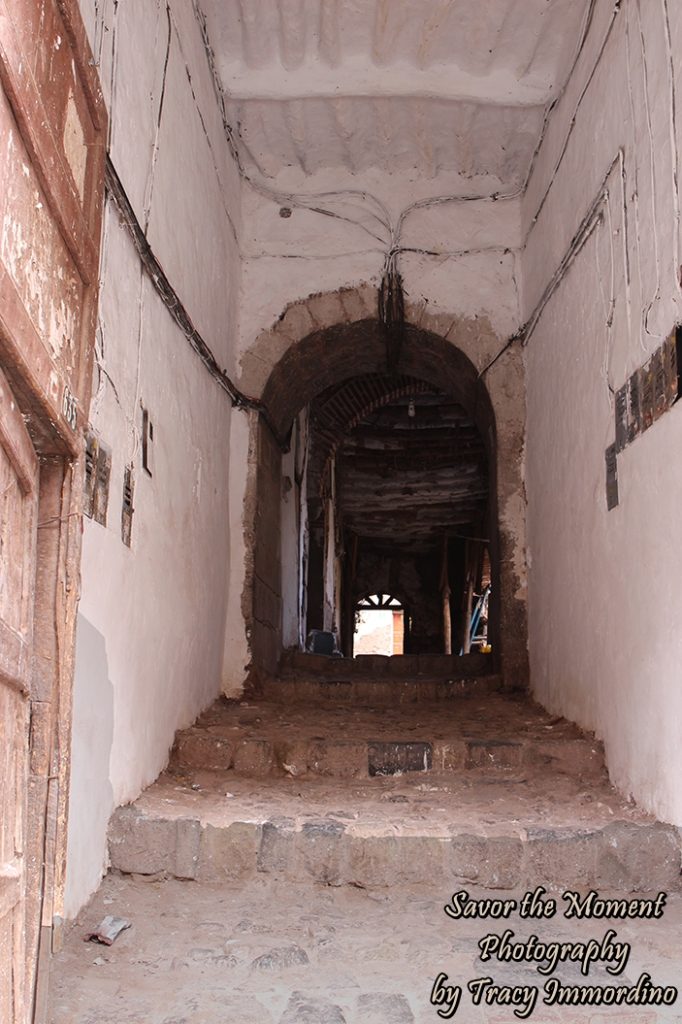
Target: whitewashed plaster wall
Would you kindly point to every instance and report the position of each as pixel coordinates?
(471, 270)
(604, 592)
(152, 646)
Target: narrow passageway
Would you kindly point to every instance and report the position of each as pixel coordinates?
(387, 482)
(340, 380)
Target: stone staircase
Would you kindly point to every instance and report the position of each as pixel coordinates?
(380, 681)
(466, 785)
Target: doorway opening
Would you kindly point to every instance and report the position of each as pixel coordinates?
(380, 623)
(387, 486)
(396, 502)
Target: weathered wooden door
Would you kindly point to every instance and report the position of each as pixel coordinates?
(52, 143)
(18, 504)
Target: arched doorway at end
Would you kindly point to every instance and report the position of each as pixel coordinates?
(324, 364)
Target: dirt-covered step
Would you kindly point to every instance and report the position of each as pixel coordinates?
(268, 738)
(376, 691)
(397, 666)
(211, 749)
(531, 823)
(498, 836)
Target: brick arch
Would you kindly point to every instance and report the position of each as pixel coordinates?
(473, 336)
(349, 403)
(331, 355)
(322, 340)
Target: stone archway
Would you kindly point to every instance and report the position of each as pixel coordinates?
(319, 342)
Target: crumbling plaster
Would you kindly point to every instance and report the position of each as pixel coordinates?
(152, 635)
(604, 595)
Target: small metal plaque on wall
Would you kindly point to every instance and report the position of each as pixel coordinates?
(611, 477)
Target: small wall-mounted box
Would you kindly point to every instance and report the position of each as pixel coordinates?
(97, 478)
(127, 509)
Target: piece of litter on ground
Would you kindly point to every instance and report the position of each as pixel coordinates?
(229, 794)
(108, 930)
(99, 961)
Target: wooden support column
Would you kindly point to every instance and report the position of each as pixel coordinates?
(468, 597)
(445, 594)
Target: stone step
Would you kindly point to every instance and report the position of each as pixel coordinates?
(494, 792)
(499, 840)
(208, 750)
(268, 738)
(379, 666)
(375, 691)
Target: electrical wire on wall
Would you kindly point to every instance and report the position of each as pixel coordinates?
(365, 203)
(609, 301)
(367, 213)
(646, 310)
(673, 144)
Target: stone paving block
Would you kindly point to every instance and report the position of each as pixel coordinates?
(503, 865)
(379, 861)
(277, 846)
(141, 845)
(303, 1009)
(579, 757)
(384, 1008)
(372, 664)
(339, 691)
(254, 757)
(427, 689)
(493, 862)
(291, 755)
(371, 861)
(639, 858)
(404, 665)
(345, 759)
(320, 850)
(187, 844)
(229, 852)
(197, 748)
(562, 857)
(494, 754)
(449, 755)
(279, 957)
(393, 758)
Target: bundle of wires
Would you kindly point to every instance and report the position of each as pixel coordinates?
(392, 310)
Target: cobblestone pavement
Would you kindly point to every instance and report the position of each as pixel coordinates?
(269, 952)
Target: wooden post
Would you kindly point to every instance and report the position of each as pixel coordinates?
(445, 593)
(468, 596)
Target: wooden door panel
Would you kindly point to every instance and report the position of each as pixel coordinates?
(52, 144)
(18, 509)
(18, 503)
(52, 141)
